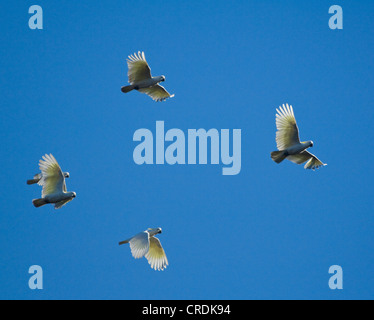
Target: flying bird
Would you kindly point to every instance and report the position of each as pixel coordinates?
(288, 141)
(38, 177)
(146, 244)
(53, 183)
(140, 78)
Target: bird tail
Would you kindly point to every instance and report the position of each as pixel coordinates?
(278, 156)
(126, 89)
(123, 242)
(38, 202)
(33, 181)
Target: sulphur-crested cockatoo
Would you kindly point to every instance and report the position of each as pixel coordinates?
(288, 141)
(146, 244)
(140, 78)
(53, 182)
(38, 177)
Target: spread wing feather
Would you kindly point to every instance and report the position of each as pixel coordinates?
(52, 179)
(156, 92)
(156, 255)
(139, 69)
(60, 204)
(313, 162)
(288, 132)
(139, 244)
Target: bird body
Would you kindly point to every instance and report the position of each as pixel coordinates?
(298, 148)
(145, 244)
(288, 141)
(140, 79)
(58, 198)
(53, 183)
(279, 156)
(143, 84)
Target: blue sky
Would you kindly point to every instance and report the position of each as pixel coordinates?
(271, 232)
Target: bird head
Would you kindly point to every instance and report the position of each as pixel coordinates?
(308, 143)
(162, 78)
(154, 231)
(73, 194)
(66, 174)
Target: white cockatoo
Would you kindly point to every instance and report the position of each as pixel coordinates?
(146, 244)
(288, 141)
(140, 78)
(53, 183)
(38, 177)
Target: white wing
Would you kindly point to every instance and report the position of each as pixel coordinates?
(313, 162)
(156, 255)
(138, 68)
(60, 204)
(288, 132)
(139, 244)
(53, 179)
(156, 92)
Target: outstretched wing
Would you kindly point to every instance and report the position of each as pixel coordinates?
(313, 162)
(288, 132)
(138, 68)
(156, 92)
(52, 179)
(60, 204)
(156, 255)
(139, 244)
